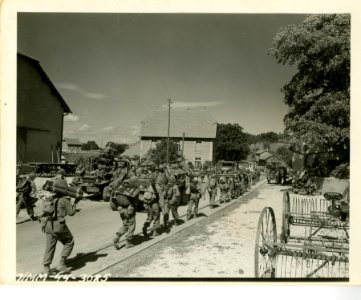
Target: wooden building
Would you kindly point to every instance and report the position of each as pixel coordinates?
(40, 113)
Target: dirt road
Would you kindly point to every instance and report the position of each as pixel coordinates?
(217, 244)
(221, 246)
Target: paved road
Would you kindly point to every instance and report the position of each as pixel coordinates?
(95, 224)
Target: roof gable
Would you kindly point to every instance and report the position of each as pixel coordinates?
(194, 123)
(42, 73)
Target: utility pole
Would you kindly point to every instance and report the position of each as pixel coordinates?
(167, 157)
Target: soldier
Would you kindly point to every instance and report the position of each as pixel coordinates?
(120, 174)
(161, 181)
(123, 201)
(60, 175)
(55, 228)
(223, 187)
(171, 201)
(195, 195)
(26, 190)
(79, 174)
(212, 189)
(151, 202)
(230, 183)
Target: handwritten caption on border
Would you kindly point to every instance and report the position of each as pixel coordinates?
(28, 277)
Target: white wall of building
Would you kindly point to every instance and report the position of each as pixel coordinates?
(193, 151)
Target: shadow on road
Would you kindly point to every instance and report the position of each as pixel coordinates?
(81, 259)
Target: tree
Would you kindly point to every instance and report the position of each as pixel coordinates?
(89, 145)
(231, 142)
(318, 95)
(285, 154)
(270, 137)
(158, 155)
(119, 148)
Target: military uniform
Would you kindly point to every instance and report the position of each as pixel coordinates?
(212, 189)
(55, 229)
(125, 206)
(223, 187)
(153, 212)
(171, 201)
(230, 187)
(123, 201)
(25, 191)
(195, 195)
(160, 181)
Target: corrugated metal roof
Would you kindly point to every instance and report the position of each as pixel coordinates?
(195, 123)
(37, 65)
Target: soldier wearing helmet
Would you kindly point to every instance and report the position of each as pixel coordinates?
(195, 195)
(151, 202)
(223, 187)
(212, 189)
(55, 228)
(25, 191)
(60, 175)
(171, 201)
(160, 181)
(123, 201)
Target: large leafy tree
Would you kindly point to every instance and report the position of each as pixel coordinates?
(231, 142)
(89, 145)
(158, 155)
(119, 148)
(318, 95)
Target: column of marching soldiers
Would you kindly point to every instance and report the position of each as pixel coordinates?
(159, 189)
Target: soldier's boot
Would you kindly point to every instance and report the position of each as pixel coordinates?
(189, 215)
(145, 228)
(116, 241)
(47, 270)
(165, 223)
(63, 268)
(33, 218)
(195, 214)
(155, 232)
(129, 244)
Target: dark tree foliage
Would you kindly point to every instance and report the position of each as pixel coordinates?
(119, 148)
(285, 154)
(318, 95)
(231, 142)
(266, 137)
(89, 145)
(158, 155)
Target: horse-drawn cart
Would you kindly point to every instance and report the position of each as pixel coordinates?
(314, 239)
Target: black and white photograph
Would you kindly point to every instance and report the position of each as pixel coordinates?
(179, 146)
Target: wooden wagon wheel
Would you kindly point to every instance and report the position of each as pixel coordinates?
(285, 233)
(264, 249)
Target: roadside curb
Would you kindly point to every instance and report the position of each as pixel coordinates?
(141, 247)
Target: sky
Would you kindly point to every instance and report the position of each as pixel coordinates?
(113, 70)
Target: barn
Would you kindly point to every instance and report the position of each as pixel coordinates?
(40, 114)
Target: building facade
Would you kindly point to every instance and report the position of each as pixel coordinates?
(40, 112)
(193, 130)
(71, 144)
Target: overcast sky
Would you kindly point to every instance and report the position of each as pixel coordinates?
(115, 69)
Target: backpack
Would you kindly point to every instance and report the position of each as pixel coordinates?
(194, 188)
(49, 207)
